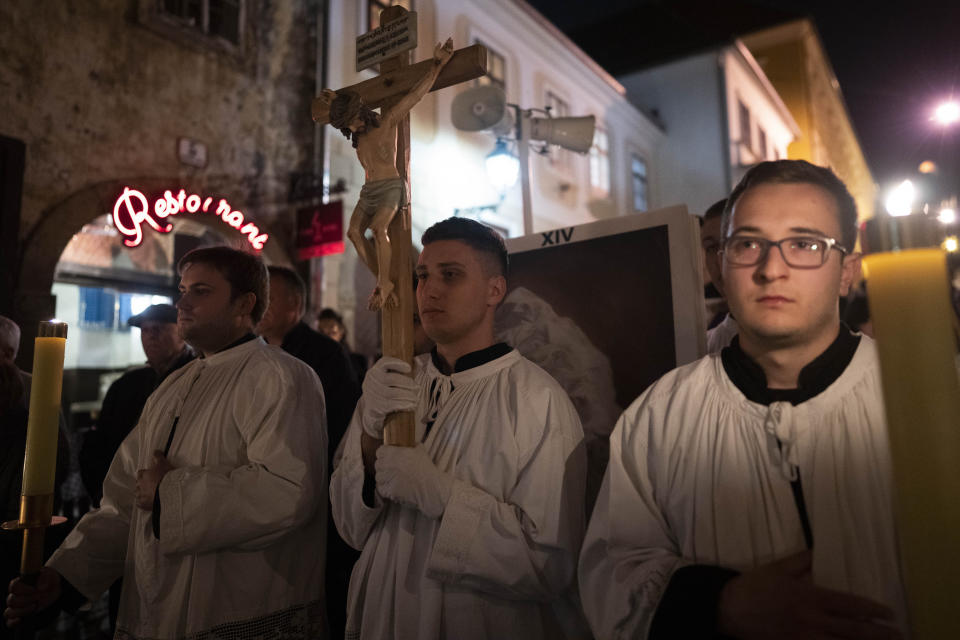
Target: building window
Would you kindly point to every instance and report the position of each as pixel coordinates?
(97, 308)
(496, 68)
(746, 139)
(638, 176)
(761, 143)
(105, 309)
(558, 108)
(374, 7)
(219, 18)
(600, 163)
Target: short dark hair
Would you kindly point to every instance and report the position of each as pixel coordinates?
(293, 280)
(245, 272)
(800, 172)
(329, 314)
(477, 236)
(715, 210)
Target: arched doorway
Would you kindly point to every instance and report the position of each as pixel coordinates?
(47, 240)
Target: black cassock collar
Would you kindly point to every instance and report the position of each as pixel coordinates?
(814, 378)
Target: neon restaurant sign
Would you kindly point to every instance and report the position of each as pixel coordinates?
(132, 210)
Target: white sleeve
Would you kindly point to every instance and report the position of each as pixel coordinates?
(283, 425)
(93, 554)
(524, 548)
(628, 556)
(354, 519)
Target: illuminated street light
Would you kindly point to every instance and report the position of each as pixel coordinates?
(900, 200)
(947, 113)
(503, 168)
(948, 216)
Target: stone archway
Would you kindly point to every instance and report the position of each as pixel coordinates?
(43, 245)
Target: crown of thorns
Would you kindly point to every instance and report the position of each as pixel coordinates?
(344, 108)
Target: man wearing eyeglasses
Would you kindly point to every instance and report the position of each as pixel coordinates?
(748, 493)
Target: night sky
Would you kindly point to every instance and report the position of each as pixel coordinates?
(894, 60)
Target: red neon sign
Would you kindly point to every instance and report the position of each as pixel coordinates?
(320, 230)
(132, 210)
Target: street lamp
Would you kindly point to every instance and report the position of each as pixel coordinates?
(900, 200)
(947, 113)
(502, 165)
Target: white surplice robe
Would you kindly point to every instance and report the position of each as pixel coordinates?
(242, 520)
(696, 477)
(501, 561)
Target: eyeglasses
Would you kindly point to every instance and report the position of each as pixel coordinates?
(799, 252)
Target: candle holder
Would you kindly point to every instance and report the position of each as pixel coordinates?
(909, 297)
(34, 519)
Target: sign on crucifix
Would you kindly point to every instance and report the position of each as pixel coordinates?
(382, 142)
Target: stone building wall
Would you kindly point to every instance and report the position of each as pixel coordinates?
(101, 91)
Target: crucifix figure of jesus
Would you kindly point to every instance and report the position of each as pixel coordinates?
(384, 192)
(382, 142)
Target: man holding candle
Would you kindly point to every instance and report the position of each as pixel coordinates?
(749, 493)
(213, 508)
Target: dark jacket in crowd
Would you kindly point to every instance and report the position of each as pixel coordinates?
(119, 414)
(359, 362)
(341, 389)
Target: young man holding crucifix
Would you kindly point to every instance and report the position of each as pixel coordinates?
(474, 532)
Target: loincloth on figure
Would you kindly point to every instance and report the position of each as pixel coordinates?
(376, 194)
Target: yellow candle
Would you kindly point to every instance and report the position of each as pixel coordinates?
(40, 461)
(908, 292)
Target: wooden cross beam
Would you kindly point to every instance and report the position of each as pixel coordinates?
(465, 65)
(391, 91)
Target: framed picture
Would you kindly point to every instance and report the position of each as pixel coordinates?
(607, 308)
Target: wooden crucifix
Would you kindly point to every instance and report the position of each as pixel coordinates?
(382, 142)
